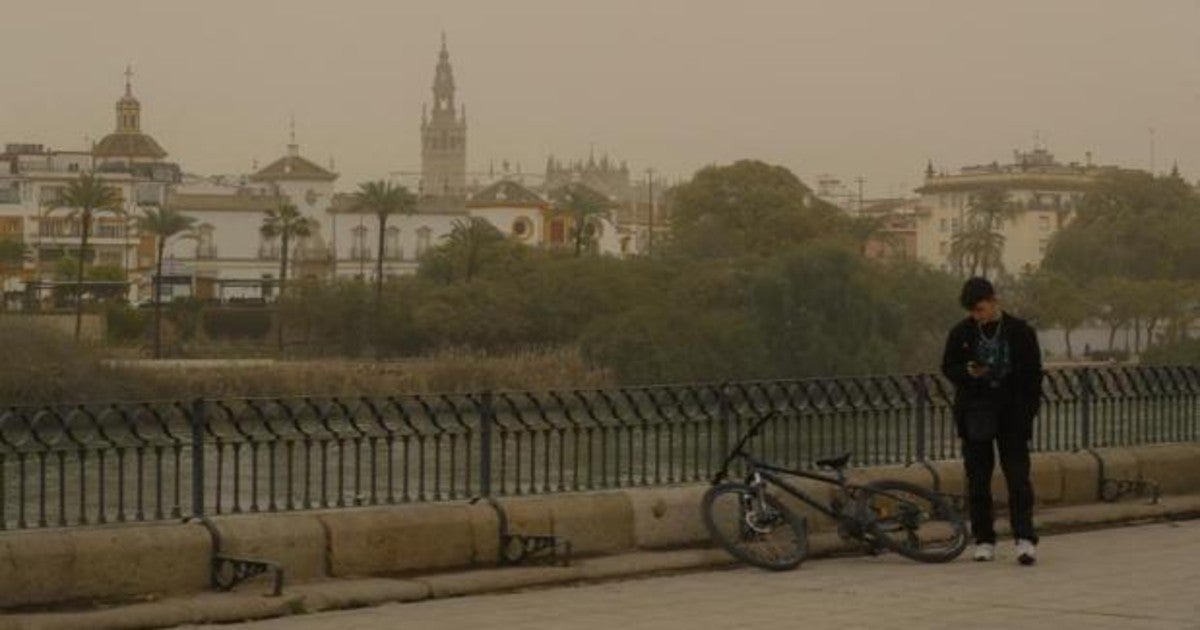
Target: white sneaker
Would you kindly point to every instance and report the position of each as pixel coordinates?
(1026, 552)
(985, 552)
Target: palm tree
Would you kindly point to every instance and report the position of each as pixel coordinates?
(468, 241)
(163, 224)
(83, 198)
(383, 199)
(284, 223)
(583, 205)
(978, 246)
(976, 250)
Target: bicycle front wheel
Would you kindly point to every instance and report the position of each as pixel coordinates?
(915, 522)
(755, 528)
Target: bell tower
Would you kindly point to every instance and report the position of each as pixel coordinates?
(444, 137)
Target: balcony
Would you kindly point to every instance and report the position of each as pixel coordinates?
(207, 251)
(360, 253)
(268, 252)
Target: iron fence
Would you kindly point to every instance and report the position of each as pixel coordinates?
(68, 465)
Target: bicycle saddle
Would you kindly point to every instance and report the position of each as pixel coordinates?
(836, 463)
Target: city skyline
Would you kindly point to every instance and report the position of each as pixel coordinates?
(711, 90)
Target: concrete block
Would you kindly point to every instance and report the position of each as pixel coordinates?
(1080, 477)
(665, 518)
(485, 533)
(410, 538)
(951, 476)
(1045, 471)
(914, 474)
(823, 493)
(296, 541)
(1119, 463)
(106, 562)
(1176, 467)
(595, 523)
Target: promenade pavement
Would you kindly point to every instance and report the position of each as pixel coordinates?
(1146, 576)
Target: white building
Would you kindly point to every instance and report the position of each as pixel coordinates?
(1045, 192)
(33, 177)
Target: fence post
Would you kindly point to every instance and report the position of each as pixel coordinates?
(923, 404)
(486, 420)
(199, 421)
(725, 410)
(1085, 428)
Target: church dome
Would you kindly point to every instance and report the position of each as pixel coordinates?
(128, 141)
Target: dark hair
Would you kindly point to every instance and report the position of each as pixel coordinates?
(975, 291)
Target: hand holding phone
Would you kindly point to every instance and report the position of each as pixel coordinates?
(977, 370)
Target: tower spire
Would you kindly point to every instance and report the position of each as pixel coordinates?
(129, 80)
(293, 148)
(443, 83)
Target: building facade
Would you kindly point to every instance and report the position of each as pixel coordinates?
(1045, 194)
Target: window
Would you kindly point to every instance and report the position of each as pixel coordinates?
(51, 194)
(423, 236)
(1044, 223)
(1042, 245)
(391, 244)
(942, 225)
(522, 228)
(954, 226)
(943, 248)
(268, 248)
(205, 247)
(358, 245)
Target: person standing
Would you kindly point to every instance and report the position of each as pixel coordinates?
(994, 361)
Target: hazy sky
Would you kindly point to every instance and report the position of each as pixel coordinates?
(870, 88)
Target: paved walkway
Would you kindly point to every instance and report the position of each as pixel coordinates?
(1129, 578)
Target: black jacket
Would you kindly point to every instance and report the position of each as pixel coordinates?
(1019, 394)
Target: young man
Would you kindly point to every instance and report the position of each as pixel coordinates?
(995, 363)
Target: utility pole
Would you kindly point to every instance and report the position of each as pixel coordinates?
(1152, 165)
(650, 210)
(859, 180)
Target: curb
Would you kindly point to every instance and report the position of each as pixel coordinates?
(357, 593)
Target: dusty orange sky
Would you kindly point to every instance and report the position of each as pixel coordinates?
(870, 88)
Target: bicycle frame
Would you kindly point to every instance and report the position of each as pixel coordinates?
(768, 473)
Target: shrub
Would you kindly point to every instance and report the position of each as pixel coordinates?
(237, 323)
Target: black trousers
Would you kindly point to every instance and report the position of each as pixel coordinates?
(980, 459)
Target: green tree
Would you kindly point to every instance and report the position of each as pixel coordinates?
(1054, 300)
(163, 224)
(977, 249)
(746, 208)
(465, 250)
(83, 198)
(12, 257)
(1115, 301)
(584, 206)
(285, 223)
(1134, 225)
(383, 199)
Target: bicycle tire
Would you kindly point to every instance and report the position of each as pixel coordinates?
(885, 513)
(748, 529)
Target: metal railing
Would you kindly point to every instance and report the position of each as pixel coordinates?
(67, 465)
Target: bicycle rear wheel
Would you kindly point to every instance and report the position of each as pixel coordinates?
(915, 522)
(758, 531)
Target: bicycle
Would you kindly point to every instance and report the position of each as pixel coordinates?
(889, 514)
